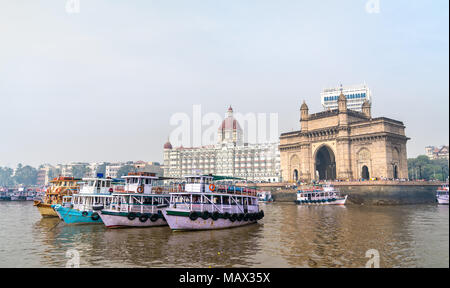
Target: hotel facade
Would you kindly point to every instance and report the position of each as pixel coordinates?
(230, 156)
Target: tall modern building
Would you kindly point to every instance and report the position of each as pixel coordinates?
(356, 95)
(230, 156)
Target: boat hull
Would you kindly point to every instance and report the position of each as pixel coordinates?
(121, 220)
(442, 201)
(335, 202)
(179, 220)
(74, 216)
(46, 210)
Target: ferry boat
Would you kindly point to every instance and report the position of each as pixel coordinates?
(18, 195)
(265, 196)
(60, 187)
(4, 195)
(141, 204)
(95, 193)
(205, 206)
(320, 195)
(442, 195)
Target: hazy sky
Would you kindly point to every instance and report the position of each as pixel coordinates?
(101, 85)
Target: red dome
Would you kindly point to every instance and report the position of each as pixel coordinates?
(230, 123)
(167, 145)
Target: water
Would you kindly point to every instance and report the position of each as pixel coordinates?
(288, 236)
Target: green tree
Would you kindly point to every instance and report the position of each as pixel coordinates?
(6, 176)
(124, 170)
(79, 171)
(424, 168)
(26, 175)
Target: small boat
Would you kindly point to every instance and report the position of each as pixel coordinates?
(140, 204)
(265, 196)
(320, 195)
(30, 195)
(95, 193)
(4, 195)
(205, 206)
(18, 195)
(442, 195)
(60, 187)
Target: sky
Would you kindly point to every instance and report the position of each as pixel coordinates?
(102, 84)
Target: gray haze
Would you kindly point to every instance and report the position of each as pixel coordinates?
(102, 84)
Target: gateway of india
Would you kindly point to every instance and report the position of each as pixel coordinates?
(344, 144)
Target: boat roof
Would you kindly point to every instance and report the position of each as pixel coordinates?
(95, 178)
(146, 175)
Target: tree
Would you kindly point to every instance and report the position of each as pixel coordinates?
(424, 168)
(6, 176)
(25, 175)
(124, 170)
(79, 171)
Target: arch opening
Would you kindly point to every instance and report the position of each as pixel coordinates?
(325, 164)
(295, 175)
(365, 173)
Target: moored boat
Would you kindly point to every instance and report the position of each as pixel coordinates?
(265, 197)
(60, 187)
(442, 195)
(95, 193)
(140, 204)
(320, 195)
(205, 206)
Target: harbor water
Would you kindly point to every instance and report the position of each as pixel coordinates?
(288, 236)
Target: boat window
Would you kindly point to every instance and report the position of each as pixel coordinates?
(216, 200)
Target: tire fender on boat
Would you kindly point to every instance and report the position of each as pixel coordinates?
(154, 217)
(143, 218)
(95, 216)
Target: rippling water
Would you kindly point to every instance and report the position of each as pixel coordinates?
(288, 236)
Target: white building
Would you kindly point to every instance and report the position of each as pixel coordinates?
(229, 157)
(356, 95)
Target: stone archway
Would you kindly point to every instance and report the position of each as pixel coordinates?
(295, 175)
(365, 173)
(325, 163)
(395, 172)
(294, 168)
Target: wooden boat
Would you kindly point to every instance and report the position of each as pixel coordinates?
(60, 187)
(140, 204)
(205, 206)
(94, 193)
(442, 195)
(320, 195)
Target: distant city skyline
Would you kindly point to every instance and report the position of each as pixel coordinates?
(101, 85)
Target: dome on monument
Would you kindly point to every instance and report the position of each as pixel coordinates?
(168, 145)
(230, 122)
(366, 104)
(304, 106)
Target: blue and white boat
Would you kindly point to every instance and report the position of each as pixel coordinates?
(81, 208)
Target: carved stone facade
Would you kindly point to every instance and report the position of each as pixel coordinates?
(344, 144)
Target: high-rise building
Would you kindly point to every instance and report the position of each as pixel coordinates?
(230, 156)
(356, 95)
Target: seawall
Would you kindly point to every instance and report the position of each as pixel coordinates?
(376, 193)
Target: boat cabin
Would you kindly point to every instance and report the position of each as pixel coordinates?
(140, 182)
(199, 184)
(96, 185)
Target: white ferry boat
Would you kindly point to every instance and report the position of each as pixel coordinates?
(95, 193)
(205, 206)
(320, 195)
(442, 195)
(265, 196)
(141, 204)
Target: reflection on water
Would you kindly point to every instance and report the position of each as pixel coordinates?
(289, 236)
